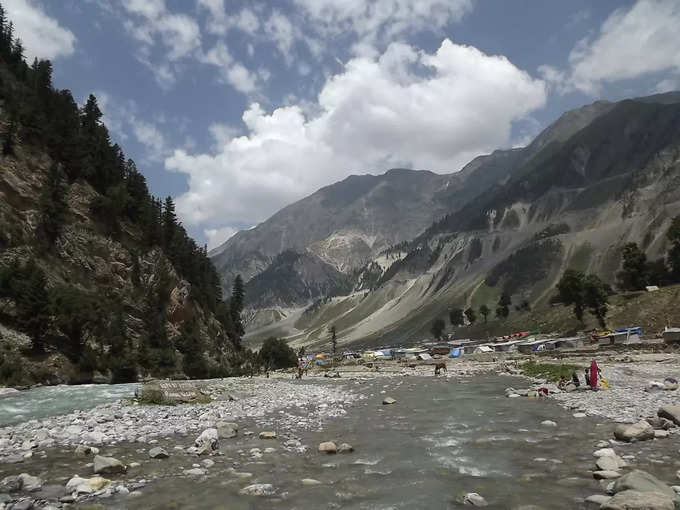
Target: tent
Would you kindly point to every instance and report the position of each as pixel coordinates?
(455, 353)
(424, 356)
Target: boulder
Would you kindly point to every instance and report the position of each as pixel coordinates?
(30, 483)
(604, 452)
(474, 499)
(108, 465)
(606, 475)
(84, 451)
(635, 500)
(158, 453)
(328, 447)
(345, 448)
(671, 413)
(87, 485)
(11, 484)
(310, 481)
(595, 501)
(208, 440)
(258, 489)
(226, 430)
(267, 435)
(388, 401)
(640, 431)
(660, 434)
(610, 463)
(670, 384)
(641, 481)
(548, 423)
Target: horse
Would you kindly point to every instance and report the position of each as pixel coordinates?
(438, 367)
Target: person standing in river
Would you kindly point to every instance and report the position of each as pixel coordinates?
(594, 374)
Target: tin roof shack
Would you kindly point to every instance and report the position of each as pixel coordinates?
(441, 350)
(534, 345)
(671, 335)
(571, 342)
(622, 337)
(509, 346)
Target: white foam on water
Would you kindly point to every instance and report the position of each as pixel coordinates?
(367, 462)
(376, 472)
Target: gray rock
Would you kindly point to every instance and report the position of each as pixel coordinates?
(671, 413)
(610, 463)
(258, 489)
(84, 451)
(345, 448)
(310, 481)
(208, 463)
(606, 475)
(595, 501)
(388, 401)
(604, 452)
(641, 481)
(474, 499)
(11, 484)
(548, 423)
(208, 439)
(30, 483)
(108, 465)
(158, 453)
(226, 430)
(267, 435)
(26, 504)
(635, 500)
(328, 447)
(640, 431)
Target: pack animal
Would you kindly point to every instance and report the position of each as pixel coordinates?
(439, 367)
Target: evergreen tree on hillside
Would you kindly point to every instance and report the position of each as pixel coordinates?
(673, 256)
(471, 315)
(484, 311)
(53, 206)
(634, 274)
(438, 327)
(33, 305)
(456, 317)
(503, 308)
(236, 307)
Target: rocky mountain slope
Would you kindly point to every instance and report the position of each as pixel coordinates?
(98, 280)
(599, 177)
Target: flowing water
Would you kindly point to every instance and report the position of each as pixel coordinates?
(46, 401)
(441, 439)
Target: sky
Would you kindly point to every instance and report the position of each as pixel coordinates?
(238, 108)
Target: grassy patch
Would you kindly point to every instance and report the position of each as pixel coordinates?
(550, 371)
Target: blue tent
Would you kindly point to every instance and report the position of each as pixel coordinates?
(455, 353)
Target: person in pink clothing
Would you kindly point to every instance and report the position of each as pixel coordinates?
(594, 375)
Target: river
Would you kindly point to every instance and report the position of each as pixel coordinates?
(443, 438)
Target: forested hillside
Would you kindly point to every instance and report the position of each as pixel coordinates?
(98, 278)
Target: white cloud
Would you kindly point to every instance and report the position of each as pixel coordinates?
(667, 85)
(220, 22)
(631, 43)
(41, 35)
(433, 111)
(217, 236)
(154, 26)
(381, 19)
(232, 72)
(281, 31)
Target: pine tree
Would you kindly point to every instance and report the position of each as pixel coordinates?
(236, 307)
(484, 311)
(33, 305)
(169, 227)
(503, 309)
(53, 205)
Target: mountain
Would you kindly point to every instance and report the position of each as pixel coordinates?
(98, 279)
(599, 177)
(343, 225)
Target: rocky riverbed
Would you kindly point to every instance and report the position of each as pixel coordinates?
(443, 442)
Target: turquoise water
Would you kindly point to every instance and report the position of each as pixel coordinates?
(48, 401)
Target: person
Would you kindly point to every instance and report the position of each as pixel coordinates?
(574, 377)
(562, 383)
(594, 374)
